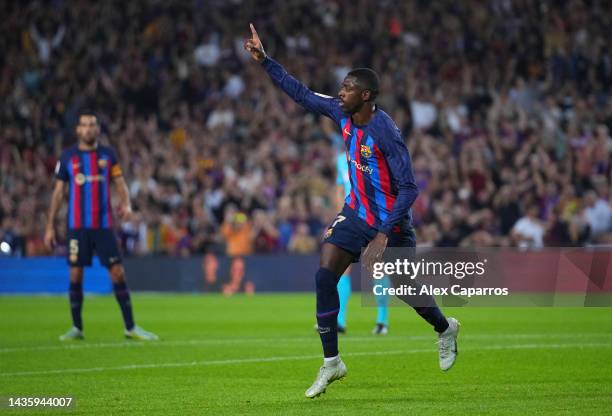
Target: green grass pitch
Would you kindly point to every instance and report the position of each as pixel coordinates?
(257, 355)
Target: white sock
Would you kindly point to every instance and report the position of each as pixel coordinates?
(329, 360)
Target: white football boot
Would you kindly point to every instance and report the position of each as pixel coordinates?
(447, 344)
(328, 373)
(73, 333)
(140, 334)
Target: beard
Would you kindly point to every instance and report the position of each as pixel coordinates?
(89, 140)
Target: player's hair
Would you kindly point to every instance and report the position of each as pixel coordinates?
(86, 112)
(368, 79)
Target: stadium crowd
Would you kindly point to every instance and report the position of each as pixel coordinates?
(505, 106)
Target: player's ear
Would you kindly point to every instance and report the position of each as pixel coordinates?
(366, 95)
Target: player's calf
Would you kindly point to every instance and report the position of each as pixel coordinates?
(75, 295)
(328, 306)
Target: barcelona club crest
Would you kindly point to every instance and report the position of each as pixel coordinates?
(80, 179)
(366, 151)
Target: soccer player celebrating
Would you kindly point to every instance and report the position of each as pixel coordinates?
(377, 211)
(88, 168)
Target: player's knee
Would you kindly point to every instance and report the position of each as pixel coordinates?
(117, 273)
(335, 259)
(76, 274)
(327, 257)
(326, 263)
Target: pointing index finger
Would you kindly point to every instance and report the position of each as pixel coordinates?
(253, 31)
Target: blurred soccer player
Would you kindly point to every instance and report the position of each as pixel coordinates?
(376, 212)
(88, 169)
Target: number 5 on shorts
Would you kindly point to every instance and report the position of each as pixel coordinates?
(73, 250)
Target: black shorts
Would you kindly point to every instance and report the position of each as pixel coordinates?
(84, 242)
(351, 233)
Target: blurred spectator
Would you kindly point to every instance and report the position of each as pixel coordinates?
(264, 232)
(598, 214)
(557, 231)
(47, 40)
(528, 230)
(238, 233)
(302, 242)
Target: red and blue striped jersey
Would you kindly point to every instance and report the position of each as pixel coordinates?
(383, 187)
(88, 174)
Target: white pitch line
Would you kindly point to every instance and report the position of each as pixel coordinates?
(288, 358)
(188, 342)
(279, 341)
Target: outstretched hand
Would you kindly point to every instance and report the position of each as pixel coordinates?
(254, 46)
(374, 252)
(50, 240)
(125, 212)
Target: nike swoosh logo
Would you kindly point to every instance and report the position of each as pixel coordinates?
(347, 132)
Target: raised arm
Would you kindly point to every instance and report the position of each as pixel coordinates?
(318, 103)
(400, 165)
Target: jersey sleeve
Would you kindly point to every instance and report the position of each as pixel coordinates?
(61, 169)
(115, 168)
(312, 101)
(398, 158)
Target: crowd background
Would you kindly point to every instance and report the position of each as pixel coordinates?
(505, 106)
